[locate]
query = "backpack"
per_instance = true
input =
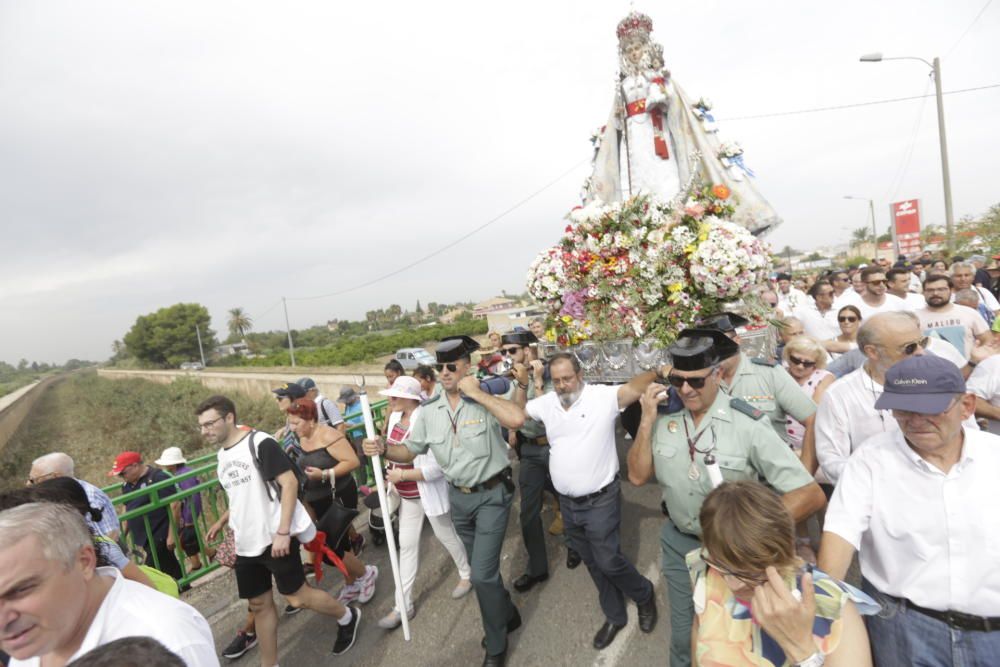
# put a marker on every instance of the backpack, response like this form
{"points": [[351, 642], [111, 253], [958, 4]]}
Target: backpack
{"points": [[272, 485]]}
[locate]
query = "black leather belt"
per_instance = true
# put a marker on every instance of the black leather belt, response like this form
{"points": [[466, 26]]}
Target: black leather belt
{"points": [[591, 496], [484, 486], [954, 619]]}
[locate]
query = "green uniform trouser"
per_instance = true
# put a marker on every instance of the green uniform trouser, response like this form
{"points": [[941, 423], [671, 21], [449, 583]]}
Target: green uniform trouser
{"points": [[481, 521], [675, 545], [532, 477]]}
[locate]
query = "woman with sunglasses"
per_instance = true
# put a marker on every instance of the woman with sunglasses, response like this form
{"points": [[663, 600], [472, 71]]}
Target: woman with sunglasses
{"points": [[849, 320], [756, 602], [805, 360]]}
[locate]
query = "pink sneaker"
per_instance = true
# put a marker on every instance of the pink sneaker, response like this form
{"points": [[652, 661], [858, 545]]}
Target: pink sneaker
{"points": [[367, 584], [350, 593]]}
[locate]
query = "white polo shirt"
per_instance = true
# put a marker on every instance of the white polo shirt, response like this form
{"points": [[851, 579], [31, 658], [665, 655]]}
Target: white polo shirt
{"points": [[583, 457], [131, 609], [985, 384], [922, 534], [821, 326]]}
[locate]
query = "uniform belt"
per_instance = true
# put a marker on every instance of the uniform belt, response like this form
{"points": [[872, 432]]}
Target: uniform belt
{"points": [[954, 619], [591, 496], [484, 486]]}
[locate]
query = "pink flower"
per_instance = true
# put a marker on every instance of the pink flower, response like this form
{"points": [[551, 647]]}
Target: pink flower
{"points": [[695, 211]]}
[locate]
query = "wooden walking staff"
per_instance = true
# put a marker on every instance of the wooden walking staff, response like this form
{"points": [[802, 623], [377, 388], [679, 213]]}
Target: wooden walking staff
{"points": [[383, 503]]}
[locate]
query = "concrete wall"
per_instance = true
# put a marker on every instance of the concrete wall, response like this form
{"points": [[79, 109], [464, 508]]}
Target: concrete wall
{"points": [[14, 407], [253, 384]]}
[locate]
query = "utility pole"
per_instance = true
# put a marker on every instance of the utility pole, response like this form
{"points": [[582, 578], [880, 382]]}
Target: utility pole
{"points": [[945, 172], [291, 346], [871, 207], [201, 350]]}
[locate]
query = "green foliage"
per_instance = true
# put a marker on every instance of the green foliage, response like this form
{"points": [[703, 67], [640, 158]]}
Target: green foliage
{"points": [[168, 336], [345, 351], [93, 419], [857, 260]]}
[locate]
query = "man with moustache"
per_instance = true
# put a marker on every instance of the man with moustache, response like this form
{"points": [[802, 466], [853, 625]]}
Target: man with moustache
{"points": [[714, 438], [580, 423], [959, 325]]}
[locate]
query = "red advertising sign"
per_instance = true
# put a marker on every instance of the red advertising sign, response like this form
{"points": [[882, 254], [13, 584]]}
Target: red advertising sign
{"points": [[905, 216]]}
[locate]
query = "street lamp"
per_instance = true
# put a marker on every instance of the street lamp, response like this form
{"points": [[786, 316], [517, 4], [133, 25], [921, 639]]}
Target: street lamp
{"points": [[945, 173], [871, 207]]}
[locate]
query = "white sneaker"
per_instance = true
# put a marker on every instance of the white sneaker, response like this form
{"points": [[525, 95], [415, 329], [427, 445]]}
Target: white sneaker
{"points": [[393, 619], [366, 584], [463, 588]]}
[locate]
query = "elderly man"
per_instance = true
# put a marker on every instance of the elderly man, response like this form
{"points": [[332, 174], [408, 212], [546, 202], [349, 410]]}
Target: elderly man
{"points": [[462, 427], [58, 464], [963, 275], [715, 437], [789, 297], [58, 604], [912, 503], [327, 409], [580, 420], [762, 383]]}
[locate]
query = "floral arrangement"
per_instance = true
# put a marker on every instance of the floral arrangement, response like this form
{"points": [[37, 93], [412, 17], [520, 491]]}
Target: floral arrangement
{"points": [[638, 269]]}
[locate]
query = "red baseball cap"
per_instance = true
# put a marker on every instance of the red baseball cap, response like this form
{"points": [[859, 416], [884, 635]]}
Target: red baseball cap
{"points": [[124, 460]]}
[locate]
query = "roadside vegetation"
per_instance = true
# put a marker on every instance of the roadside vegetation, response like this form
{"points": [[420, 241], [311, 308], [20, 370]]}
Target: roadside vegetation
{"points": [[13, 378]]}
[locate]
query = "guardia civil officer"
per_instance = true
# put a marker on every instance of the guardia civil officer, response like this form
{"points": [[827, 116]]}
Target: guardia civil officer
{"points": [[715, 437], [461, 426], [765, 385]]}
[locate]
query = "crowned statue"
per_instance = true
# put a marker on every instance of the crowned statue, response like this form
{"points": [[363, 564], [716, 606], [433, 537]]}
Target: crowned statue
{"points": [[660, 143]]}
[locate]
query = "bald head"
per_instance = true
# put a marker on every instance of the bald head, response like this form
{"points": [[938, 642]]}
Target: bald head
{"points": [[884, 338], [54, 464]]}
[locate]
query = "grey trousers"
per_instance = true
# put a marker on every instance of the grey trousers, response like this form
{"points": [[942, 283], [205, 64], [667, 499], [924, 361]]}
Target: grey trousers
{"points": [[594, 528], [532, 477], [481, 521], [675, 545]]}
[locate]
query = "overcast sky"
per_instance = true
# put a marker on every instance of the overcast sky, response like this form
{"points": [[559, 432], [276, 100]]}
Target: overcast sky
{"points": [[231, 153]]}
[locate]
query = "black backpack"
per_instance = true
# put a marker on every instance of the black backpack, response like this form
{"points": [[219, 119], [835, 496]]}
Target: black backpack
{"points": [[270, 485]]}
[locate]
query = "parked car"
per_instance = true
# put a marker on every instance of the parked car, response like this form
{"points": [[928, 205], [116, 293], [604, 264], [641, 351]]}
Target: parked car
{"points": [[411, 357], [192, 366]]}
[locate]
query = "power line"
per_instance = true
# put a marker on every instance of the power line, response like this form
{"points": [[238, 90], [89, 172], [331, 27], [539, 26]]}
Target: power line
{"points": [[449, 245], [855, 105], [974, 21]]}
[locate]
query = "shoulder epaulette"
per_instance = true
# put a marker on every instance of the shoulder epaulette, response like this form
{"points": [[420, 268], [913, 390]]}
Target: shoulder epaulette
{"points": [[740, 405], [761, 361], [431, 399]]}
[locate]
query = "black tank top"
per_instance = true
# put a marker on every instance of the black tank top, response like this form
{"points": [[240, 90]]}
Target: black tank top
{"points": [[318, 489]]}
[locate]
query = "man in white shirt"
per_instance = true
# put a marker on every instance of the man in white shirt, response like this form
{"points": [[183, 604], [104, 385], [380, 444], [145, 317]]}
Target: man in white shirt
{"points": [[873, 298], [985, 384], [962, 275], [940, 318], [580, 423], [59, 464], [915, 503], [898, 283], [789, 298], [58, 604], [819, 318]]}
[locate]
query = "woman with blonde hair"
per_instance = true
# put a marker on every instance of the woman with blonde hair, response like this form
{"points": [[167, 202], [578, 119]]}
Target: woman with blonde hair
{"points": [[805, 360], [756, 602]]}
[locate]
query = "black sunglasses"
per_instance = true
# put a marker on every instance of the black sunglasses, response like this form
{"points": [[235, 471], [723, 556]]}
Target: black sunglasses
{"points": [[875, 282], [792, 359], [509, 350], [694, 383], [452, 368], [847, 318], [910, 348]]}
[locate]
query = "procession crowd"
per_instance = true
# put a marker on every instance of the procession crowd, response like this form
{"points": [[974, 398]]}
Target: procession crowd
{"points": [[871, 433]]}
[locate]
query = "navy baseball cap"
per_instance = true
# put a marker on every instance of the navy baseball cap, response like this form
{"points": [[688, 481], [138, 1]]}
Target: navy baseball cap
{"points": [[924, 384], [290, 390], [306, 383]]}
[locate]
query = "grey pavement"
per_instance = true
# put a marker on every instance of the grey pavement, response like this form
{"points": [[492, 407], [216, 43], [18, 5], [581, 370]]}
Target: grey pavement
{"points": [[560, 616]]}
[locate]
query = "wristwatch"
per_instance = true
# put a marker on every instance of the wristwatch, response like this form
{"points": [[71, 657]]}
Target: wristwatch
{"points": [[817, 659]]}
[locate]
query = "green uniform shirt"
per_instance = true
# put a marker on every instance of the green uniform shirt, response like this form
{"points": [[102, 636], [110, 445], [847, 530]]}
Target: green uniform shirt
{"points": [[466, 442], [770, 389], [745, 448]]}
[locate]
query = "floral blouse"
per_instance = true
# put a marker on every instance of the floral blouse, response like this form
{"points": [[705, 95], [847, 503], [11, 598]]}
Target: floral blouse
{"points": [[728, 636]]}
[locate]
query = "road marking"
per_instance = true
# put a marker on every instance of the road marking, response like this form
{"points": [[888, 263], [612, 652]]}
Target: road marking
{"points": [[612, 655]]}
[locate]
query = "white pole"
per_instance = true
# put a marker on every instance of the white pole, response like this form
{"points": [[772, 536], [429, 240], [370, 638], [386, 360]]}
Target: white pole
{"points": [[383, 502]]}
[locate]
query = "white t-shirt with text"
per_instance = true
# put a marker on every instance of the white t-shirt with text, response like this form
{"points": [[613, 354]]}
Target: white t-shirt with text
{"points": [[959, 325]]}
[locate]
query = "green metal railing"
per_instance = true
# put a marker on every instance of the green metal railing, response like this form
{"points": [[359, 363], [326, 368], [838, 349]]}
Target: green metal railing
{"points": [[213, 504]]}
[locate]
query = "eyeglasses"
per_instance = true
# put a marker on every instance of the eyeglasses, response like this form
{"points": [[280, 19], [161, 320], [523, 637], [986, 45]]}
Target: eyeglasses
{"points": [[210, 424], [757, 579], [694, 383], [452, 368], [121, 473], [875, 282], [792, 359], [909, 348], [847, 318], [840, 279], [509, 350]]}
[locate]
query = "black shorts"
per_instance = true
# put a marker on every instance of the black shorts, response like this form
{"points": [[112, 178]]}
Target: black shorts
{"points": [[253, 573], [189, 541]]}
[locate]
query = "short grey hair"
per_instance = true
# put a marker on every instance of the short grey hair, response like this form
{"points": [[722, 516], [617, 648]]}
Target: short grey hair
{"points": [[962, 265], [59, 528], [967, 294], [56, 462]]}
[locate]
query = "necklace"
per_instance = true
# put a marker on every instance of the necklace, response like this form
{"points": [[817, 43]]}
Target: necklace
{"points": [[875, 397], [693, 473]]}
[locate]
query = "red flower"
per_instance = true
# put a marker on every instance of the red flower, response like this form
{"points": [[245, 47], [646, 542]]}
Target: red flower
{"points": [[569, 229]]}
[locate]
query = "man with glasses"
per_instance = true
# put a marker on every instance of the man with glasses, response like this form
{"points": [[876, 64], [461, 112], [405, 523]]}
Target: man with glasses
{"points": [[462, 427], [874, 298], [714, 438], [58, 464], [137, 475], [841, 281], [914, 503], [959, 325]]}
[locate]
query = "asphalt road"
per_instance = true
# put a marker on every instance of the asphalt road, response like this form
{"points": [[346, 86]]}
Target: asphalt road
{"points": [[560, 616]]}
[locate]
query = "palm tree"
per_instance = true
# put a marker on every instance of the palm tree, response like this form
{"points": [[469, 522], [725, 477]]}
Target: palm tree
{"points": [[861, 234], [239, 323]]}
